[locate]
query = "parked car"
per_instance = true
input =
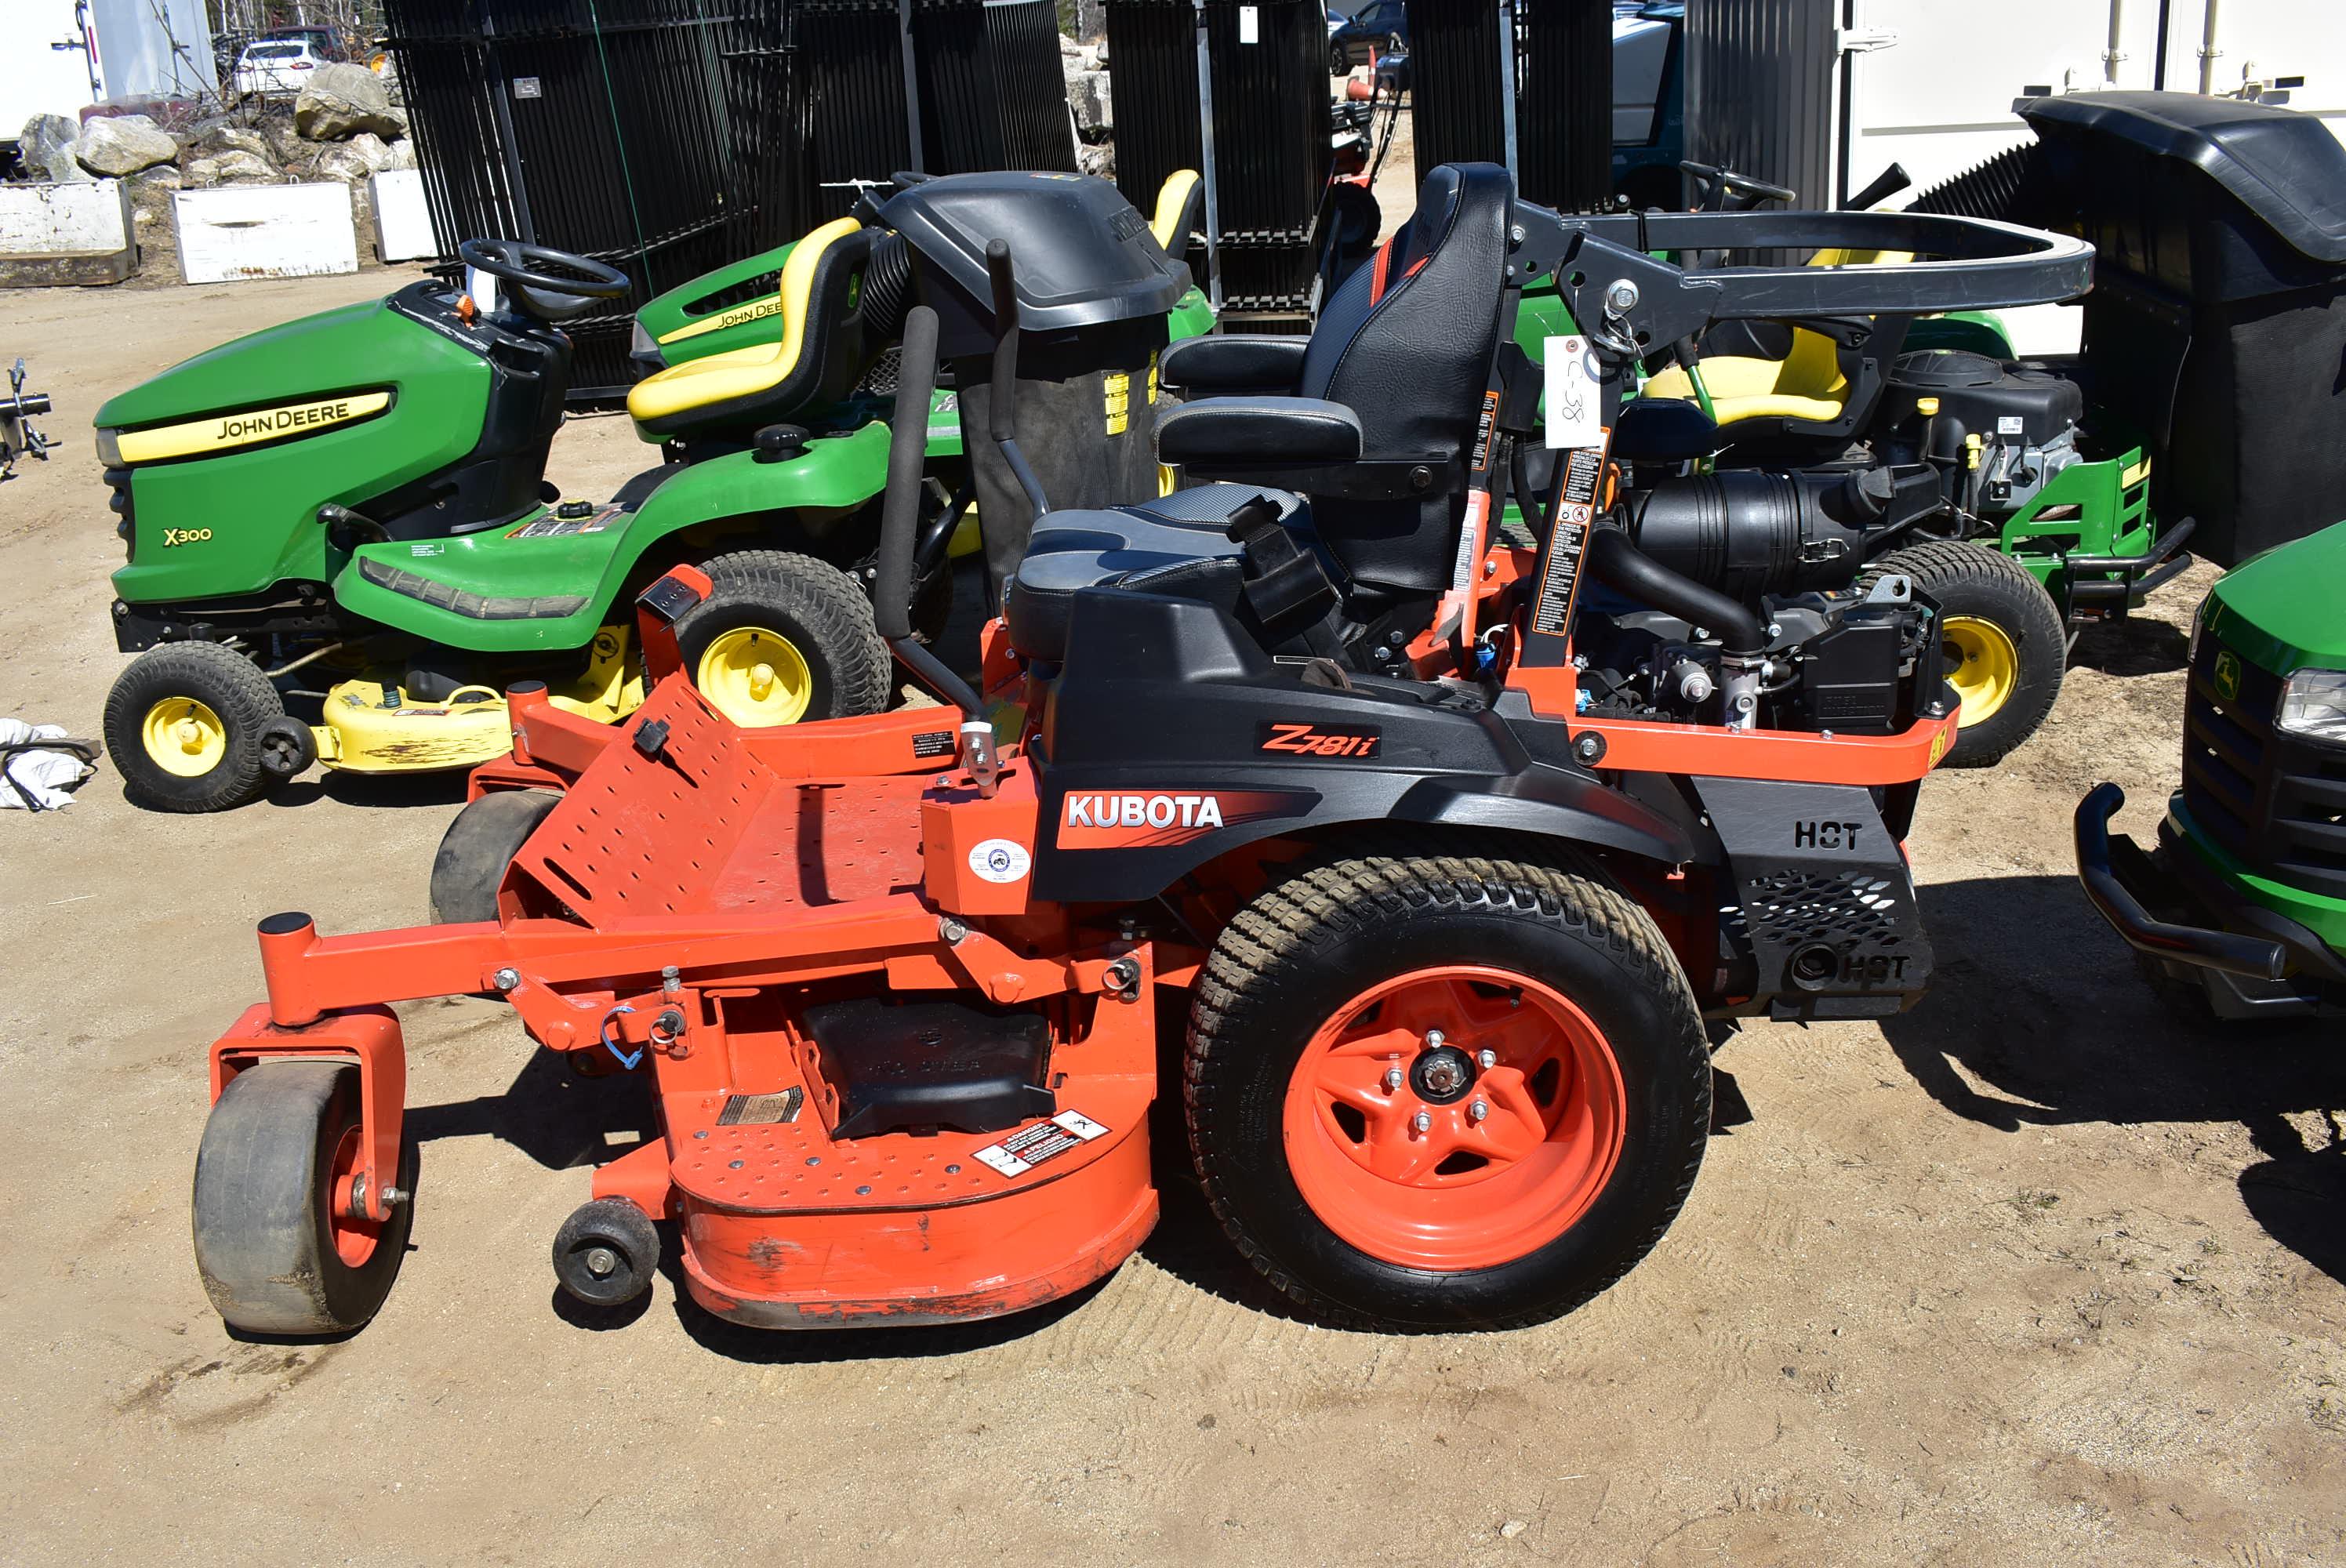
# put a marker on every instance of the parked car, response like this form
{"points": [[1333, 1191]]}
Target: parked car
{"points": [[1381, 27], [276, 66]]}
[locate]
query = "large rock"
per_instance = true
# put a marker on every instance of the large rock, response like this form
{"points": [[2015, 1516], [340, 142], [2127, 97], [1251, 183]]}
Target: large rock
{"points": [[344, 163], [373, 149], [217, 138], [1088, 92], [403, 155], [46, 146], [123, 144], [1097, 160], [340, 101], [231, 167]]}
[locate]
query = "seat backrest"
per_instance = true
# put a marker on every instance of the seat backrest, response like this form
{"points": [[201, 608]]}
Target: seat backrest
{"points": [[1407, 343], [823, 350], [820, 352]]}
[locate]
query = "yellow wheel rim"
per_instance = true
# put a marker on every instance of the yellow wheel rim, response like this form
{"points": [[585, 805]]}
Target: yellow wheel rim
{"points": [[183, 736], [755, 677], [1983, 667]]}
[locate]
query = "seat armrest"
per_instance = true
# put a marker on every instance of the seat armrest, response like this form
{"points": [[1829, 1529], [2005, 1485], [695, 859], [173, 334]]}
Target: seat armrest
{"points": [[1259, 432], [1218, 366]]}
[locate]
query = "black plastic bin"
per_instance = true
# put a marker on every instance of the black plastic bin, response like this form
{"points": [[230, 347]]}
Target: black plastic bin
{"points": [[2217, 324]]}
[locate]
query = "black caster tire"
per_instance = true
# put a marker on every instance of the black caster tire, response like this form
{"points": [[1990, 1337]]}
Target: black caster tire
{"points": [[1383, 1181], [288, 746], [606, 1252], [2006, 647], [275, 1255], [478, 848], [784, 638], [194, 726]]}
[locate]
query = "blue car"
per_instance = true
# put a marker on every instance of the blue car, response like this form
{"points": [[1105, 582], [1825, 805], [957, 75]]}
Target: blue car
{"points": [[1380, 26]]}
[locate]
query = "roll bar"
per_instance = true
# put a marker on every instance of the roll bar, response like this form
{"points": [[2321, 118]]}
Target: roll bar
{"points": [[1980, 265]]}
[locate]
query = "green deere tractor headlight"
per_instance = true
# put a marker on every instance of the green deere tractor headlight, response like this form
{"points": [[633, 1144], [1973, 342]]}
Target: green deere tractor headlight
{"points": [[109, 448], [2313, 704]]}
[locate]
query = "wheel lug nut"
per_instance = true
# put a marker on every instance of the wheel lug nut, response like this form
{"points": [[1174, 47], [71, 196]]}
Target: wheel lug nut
{"points": [[1486, 1058], [1435, 1039], [1393, 1079], [1478, 1110], [1422, 1121]]}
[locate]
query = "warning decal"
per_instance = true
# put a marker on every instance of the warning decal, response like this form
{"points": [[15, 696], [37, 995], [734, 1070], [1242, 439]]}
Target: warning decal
{"points": [[1025, 1149]]}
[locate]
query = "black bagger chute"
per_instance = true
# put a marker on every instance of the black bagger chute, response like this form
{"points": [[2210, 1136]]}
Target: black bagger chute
{"points": [[2216, 326]]}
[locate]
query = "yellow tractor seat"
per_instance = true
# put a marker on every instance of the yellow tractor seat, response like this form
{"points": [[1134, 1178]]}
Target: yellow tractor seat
{"points": [[816, 362], [1821, 391], [1180, 211], [1807, 384]]}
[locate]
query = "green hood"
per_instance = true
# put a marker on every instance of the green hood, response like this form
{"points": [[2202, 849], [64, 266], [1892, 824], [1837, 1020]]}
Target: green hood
{"points": [[2286, 608]]}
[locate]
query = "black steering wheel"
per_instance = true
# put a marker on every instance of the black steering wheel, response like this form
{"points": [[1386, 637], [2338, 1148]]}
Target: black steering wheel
{"points": [[511, 261], [1719, 183]]}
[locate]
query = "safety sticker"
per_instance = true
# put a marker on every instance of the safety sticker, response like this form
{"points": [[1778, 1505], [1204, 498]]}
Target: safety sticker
{"points": [[1000, 861], [1025, 1149], [552, 527], [933, 743], [761, 1110]]}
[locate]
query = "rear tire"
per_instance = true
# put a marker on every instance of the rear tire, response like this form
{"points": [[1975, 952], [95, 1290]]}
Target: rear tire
{"points": [[478, 848], [1575, 1189], [2005, 645], [194, 726], [273, 1256], [784, 638]]}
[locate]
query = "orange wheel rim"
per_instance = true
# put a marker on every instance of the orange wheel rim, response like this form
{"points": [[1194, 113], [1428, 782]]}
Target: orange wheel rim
{"points": [[1412, 1170], [353, 1239]]}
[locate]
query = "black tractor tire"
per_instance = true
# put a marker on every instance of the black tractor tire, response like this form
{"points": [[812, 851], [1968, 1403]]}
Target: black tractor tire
{"points": [[247, 709], [1974, 583], [264, 1235], [819, 610], [478, 848], [1289, 962]]}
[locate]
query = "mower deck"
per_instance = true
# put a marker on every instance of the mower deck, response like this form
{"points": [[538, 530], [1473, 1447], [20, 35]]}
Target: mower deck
{"points": [[684, 825]]}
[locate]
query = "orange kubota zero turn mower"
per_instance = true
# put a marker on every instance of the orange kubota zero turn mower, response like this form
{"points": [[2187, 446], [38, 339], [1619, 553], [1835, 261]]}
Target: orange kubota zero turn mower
{"points": [[1431, 863]]}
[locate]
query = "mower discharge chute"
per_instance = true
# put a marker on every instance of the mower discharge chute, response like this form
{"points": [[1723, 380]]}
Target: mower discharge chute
{"points": [[351, 510], [1302, 764]]}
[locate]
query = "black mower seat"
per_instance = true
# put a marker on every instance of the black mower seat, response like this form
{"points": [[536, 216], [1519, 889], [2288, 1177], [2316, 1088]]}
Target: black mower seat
{"points": [[1179, 543]]}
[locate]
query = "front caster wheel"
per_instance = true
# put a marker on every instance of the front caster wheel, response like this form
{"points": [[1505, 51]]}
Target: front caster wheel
{"points": [[606, 1252], [1444, 1091], [277, 1252], [196, 727]]}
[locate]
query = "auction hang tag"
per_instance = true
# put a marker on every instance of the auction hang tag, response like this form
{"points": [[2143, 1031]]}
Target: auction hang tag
{"points": [[1572, 394], [1250, 24]]}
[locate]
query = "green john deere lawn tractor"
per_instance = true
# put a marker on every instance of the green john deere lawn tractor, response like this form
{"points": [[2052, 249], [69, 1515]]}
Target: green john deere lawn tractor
{"points": [[2244, 899], [349, 511]]}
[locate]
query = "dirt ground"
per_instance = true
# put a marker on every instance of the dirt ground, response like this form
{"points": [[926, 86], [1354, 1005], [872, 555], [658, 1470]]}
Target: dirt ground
{"points": [[2035, 1273]]}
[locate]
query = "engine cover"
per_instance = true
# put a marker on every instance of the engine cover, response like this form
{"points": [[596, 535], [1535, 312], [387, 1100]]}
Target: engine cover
{"points": [[1986, 397]]}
